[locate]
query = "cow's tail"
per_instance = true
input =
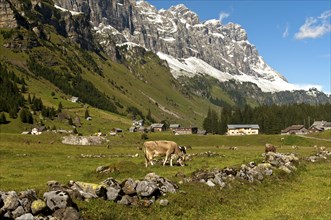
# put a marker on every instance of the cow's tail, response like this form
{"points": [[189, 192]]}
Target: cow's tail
{"points": [[145, 155]]}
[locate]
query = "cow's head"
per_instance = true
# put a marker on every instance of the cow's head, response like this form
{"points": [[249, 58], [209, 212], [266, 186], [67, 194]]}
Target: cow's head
{"points": [[181, 158], [182, 149]]}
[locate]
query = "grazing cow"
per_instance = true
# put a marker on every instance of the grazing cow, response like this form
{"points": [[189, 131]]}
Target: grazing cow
{"points": [[270, 148], [163, 148]]}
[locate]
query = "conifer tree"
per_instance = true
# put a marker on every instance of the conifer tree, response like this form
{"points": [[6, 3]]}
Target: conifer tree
{"points": [[3, 119], [225, 118], [23, 116], [87, 114], [207, 122], [59, 109], [29, 99]]}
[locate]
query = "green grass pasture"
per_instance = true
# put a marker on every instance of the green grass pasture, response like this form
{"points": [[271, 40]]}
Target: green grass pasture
{"points": [[28, 161]]}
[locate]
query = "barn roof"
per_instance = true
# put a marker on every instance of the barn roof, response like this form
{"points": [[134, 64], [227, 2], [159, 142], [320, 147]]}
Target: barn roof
{"points": [[238, 126], [157, 125], [293, 128]]}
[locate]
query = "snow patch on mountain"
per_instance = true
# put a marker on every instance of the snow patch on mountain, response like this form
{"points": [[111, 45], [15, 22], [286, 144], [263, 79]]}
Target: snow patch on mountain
{"points": [[193, 66], [66, 10]]}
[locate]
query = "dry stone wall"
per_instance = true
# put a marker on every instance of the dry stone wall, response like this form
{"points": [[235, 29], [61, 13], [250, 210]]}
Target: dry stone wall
{"points": [[57, 202]]}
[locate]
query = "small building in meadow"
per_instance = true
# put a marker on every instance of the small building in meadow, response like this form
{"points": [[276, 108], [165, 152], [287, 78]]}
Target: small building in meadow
{"points": [[157, 127], [295, 129], [138, 123], [174, 126], [185, 130], [74, 99], [320, 126], [243, 129]]}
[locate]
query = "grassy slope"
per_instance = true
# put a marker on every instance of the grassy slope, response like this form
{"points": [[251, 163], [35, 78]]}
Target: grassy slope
{"points": [[127, 88], [30, 161]]}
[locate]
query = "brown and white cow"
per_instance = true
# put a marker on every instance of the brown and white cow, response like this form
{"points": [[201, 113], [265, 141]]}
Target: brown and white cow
{"points": [[163, 148]]}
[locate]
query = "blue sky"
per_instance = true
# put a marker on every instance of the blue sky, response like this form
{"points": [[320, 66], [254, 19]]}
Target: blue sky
{"points": [[293, 37]]}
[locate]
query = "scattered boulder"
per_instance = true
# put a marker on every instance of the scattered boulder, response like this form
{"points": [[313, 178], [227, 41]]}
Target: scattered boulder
{"points": [[57, 200], [126, 200], [323, 154], [129, 186], [83, 140], [88, 190], [163, 202], [18, 212], [147, 188], [38, 206], [67, 213], [10, 200], [27, 216], [26, 206]]}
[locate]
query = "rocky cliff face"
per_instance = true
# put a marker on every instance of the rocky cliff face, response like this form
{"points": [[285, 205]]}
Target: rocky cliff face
{"points": [[190, 47], [7, 15], [33, 15], [177, 32]]}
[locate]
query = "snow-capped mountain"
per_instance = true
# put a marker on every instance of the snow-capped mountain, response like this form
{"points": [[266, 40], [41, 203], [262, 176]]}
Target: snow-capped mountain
{"points": [[177, 35]]}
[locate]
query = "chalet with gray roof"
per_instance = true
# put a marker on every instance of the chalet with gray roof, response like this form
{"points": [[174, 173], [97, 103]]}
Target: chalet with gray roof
{"points": [[187, 130], [138, 123], [157, 127], [295, 129], [243, 129], [174, 126], [320, 126]]}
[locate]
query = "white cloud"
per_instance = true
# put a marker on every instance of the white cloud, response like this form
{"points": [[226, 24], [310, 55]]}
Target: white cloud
{"points": [[223, 15], [286, 32], [315, 27]]}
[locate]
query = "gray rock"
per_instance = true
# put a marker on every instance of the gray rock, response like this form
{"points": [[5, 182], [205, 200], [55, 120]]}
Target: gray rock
{"points": [[111, 182], [146, 188], [112, 193], [27, 216], [88, 190], [38, 206], [125, 200], [18, 212], [57, 200], [129, 186], [163, 202], [166, 186], [152, 177], [67, 213], [11, 200], [268, 172], [83, 140], [285, 169], [210, 183], [26, 199], [101, 169]]}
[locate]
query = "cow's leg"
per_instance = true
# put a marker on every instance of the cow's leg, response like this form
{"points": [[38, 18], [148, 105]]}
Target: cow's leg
{"points": [[170, 161], [165, 160], [148, 159]]}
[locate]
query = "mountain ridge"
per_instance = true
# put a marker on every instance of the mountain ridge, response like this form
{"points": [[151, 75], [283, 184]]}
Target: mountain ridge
{"points": [[178, 33], [67, 46]]}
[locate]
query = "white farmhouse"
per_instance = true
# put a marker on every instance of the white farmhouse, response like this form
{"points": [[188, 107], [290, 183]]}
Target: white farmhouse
{"points": [[243, 129]]}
